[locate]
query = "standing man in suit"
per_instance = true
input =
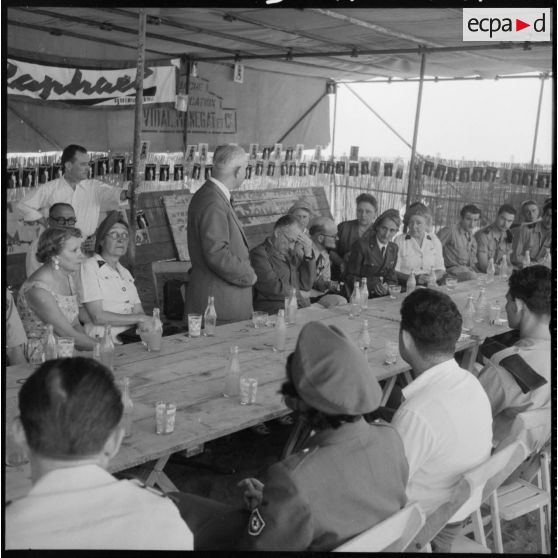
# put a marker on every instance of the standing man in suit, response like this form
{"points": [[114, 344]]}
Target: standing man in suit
{"points": [[217, 244]]}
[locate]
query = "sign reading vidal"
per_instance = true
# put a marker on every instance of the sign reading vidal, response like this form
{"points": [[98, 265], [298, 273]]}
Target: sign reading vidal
{"points": [[90, 87]]}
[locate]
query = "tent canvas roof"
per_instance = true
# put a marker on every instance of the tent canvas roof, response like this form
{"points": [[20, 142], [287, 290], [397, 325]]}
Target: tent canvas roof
{"points": [[339, 44]]}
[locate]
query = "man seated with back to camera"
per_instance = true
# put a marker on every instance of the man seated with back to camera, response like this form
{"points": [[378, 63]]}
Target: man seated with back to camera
{"points": [[516, 375], [348, 476], [445, 420], [69, 422], [280, 267]]}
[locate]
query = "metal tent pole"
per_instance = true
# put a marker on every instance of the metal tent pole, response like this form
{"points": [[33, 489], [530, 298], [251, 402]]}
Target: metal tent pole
{"points": [[410, 191], [137, 134], [543, 79]]}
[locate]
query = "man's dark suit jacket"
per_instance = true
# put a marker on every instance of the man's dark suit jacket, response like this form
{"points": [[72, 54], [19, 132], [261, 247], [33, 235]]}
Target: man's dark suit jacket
{"points": [[219, 255]]}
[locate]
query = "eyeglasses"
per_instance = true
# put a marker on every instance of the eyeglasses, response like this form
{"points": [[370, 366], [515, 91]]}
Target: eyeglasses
{"points": [[62, 221], [118, 236], [334, 236]]}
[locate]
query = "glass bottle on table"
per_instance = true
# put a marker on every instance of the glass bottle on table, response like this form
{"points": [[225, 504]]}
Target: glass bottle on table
{"points": [[156, 323], [490, 271], [128, 412], [292, 307], [280, 332], [468, 314], [210, 317], [50, 348], [431, 281], [107, 348], [527, 258], [97, 350], [481, 307], [411, 282], [232, 378], [363, 294], [363, 340], [354, 309], [503, 271]]}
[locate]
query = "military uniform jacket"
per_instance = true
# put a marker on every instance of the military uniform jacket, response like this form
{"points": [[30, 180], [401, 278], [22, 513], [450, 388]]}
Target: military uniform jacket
{"points": [[532, 237], [495, 243], [343, 482], [366, 260], [219, 254]]}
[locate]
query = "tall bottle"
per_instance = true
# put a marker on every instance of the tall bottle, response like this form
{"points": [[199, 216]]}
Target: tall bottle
{"points": [[547, 260], [468, 314], [432, 279], [210, 317], [527, 259], [411, 282], [291, 307], [355, 301], [156, 323], [107, 348], [50, 348], [490, 270], [363, 340], [97, 350], [503, 269], [128, 415], [280, 331], [232, 378], [363, 294], [481, 307]]}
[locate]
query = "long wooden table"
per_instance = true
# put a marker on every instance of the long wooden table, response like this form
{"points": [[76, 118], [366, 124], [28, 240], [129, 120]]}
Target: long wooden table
{"points": [[191, 373]]}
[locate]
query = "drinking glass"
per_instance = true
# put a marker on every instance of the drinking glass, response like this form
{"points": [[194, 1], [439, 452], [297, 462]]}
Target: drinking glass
{"points": [[394, 290], [392, 352], [194, 325], [248, 388], [152, 339], [35, 352], [259, 319], [15, 455], [65, 347], [451, 282], [494, 314]]}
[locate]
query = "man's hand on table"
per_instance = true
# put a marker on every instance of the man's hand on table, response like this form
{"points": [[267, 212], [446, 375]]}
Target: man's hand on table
{"points": [[252, 492]]}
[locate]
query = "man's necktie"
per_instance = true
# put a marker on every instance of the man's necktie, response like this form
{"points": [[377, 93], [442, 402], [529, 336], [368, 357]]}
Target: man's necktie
{"points": [[383, 251], [320, 265], [232, 202]]}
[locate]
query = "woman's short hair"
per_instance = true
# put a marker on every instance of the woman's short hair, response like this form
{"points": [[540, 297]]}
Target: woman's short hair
{"points": [[52, 240], [368, 198], [417, 208]]}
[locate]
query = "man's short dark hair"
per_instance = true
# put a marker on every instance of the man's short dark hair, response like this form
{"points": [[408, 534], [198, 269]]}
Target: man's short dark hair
{"points": [[69, 153], [469, 208], [57, 205], [507, 208], [532, 285], [433, 321], [285, 221], [547, 206], [69, 407], [368, 198]]}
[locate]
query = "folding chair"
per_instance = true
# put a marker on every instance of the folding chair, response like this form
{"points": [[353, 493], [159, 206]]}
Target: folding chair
{"points": [[519, 495], [473, 488], [390, 535]]}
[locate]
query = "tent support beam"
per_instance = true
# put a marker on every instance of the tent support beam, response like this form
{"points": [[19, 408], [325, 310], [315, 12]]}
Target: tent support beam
{"points": [[137, 135], [543, 79], [312, 107], [378, 116], [35, 129], [411, 189]]}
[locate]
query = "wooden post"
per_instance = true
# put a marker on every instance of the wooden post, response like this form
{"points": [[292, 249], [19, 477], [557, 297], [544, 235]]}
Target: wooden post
{"points": [[137, 136], [410, 191], [543, 78]]}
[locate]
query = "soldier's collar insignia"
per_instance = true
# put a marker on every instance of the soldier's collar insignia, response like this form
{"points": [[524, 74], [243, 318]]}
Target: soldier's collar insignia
{"points": [[256, 523]]}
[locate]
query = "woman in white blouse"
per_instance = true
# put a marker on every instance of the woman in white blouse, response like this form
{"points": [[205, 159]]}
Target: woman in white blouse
{"points": [[106, 288], [419, 249]]}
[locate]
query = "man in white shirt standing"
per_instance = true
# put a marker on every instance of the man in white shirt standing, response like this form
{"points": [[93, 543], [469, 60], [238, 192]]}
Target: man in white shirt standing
{"points": [[445, 421], [88, 197], [70, 424]]}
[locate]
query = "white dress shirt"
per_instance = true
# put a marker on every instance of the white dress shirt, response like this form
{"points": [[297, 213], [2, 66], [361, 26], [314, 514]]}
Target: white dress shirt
{"points": [[85, 507], [89, 198], [445, 423], [420, 259]]}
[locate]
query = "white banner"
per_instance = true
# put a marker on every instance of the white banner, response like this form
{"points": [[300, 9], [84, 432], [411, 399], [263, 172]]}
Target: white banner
{"points": [[90, 87]]}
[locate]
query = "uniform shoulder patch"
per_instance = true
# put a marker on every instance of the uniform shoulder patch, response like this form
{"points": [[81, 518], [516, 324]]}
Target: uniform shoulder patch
{"points": [[256, 523]]}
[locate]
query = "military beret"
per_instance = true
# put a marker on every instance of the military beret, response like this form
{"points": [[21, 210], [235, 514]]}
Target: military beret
{"points": [[110, 220], [301, 204], [331, 374]]}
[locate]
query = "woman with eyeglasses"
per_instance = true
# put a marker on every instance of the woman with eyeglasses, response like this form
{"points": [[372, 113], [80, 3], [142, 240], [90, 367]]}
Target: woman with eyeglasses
{"points": [[59, 215], [49, 295], [106, 288]]}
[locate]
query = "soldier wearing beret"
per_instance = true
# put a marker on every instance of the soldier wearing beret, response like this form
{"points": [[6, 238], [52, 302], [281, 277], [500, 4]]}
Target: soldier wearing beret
{"points": [[348, 476], [516, 375]]}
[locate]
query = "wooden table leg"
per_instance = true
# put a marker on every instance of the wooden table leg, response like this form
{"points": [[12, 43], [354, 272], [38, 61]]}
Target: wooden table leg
{"points": [[387, 390], [158, 477]]}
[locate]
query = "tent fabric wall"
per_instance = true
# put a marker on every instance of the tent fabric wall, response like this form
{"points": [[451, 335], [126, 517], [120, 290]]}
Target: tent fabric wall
{"points": [[264, 107]]}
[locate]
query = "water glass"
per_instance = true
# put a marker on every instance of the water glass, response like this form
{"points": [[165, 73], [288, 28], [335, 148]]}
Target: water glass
{"points": [[259, 319], [65, 347], [15, 455], [35, 351], [394, 290], [152, 339], [451, 283], [248, 389], [494, 314], [194, 325], [165, 417], [392, 352]]}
